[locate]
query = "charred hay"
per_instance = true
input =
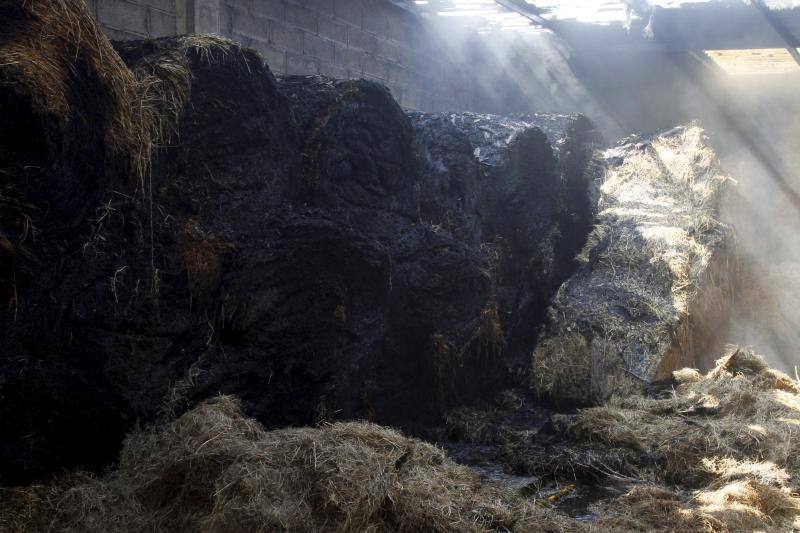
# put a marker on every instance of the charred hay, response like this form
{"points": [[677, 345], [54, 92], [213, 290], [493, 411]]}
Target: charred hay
{"points": [[656, 277], [521, 187], [227, 232]]}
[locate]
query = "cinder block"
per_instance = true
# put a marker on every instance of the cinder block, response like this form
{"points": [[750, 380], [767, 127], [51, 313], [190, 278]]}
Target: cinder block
{"points": [[376, 67], [245, 40], [298, 64], [377, 19], [163, 5], [362, 40], [226, 19], [350, 11], [162, 23], [371, 77], [405, 53], [301, 17], [131, 18], [351, 59], [274, 57], [324, 7], [334, 71], [400, 75], [116, 34], [242, 5], [332, 29], [206, 16], [318, 47], [273, 9], [250, 24], [401, 30], [391, 50], [285, 37]]}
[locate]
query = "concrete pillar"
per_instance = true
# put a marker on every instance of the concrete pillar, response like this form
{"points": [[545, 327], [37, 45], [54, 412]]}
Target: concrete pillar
{"points": [[202, 16], [181, 11]]}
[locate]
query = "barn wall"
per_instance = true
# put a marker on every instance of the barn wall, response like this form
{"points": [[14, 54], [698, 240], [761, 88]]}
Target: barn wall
{"points": [[138, 19], [346, 39]]}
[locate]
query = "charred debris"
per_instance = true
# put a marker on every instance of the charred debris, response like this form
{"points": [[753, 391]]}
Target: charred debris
{"points": [[196, 254]]}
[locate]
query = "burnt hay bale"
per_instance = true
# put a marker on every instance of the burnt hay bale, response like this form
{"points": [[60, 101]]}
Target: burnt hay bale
{"points": [[227, 232], [522, 194], [234, 132], [69, 132], [129, 276], [357, 151], [656, 277]]}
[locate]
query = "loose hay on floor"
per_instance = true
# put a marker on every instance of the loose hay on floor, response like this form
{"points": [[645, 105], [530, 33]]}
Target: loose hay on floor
{"points": [[215, 470], [720, 454]]}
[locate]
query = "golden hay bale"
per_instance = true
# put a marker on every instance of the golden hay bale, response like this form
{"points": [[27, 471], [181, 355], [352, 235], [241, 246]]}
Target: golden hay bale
{"points": [[215, 470], [651, 291]]}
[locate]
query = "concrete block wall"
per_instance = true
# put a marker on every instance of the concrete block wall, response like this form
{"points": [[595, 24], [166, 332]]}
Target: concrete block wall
{"points": [[345, 39], [138, 19], [349, 39]]}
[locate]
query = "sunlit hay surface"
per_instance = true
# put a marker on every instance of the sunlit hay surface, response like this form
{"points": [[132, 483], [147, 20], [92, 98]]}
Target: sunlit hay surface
{"points": [[215, 470], [726, 443], [612, 324]]}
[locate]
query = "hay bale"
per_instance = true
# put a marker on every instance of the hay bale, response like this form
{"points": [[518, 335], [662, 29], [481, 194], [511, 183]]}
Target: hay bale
{"points": [[356, 149], [214, 469], [450, 175], [273, 250], [71, 129], [522, 193], [127, 266], [233, 130], [52, 52], [650, 296]]}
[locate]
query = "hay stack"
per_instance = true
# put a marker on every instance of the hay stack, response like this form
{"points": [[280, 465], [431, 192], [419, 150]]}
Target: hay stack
{"points": [[654, 284], [71, 129], [215, 470]]}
